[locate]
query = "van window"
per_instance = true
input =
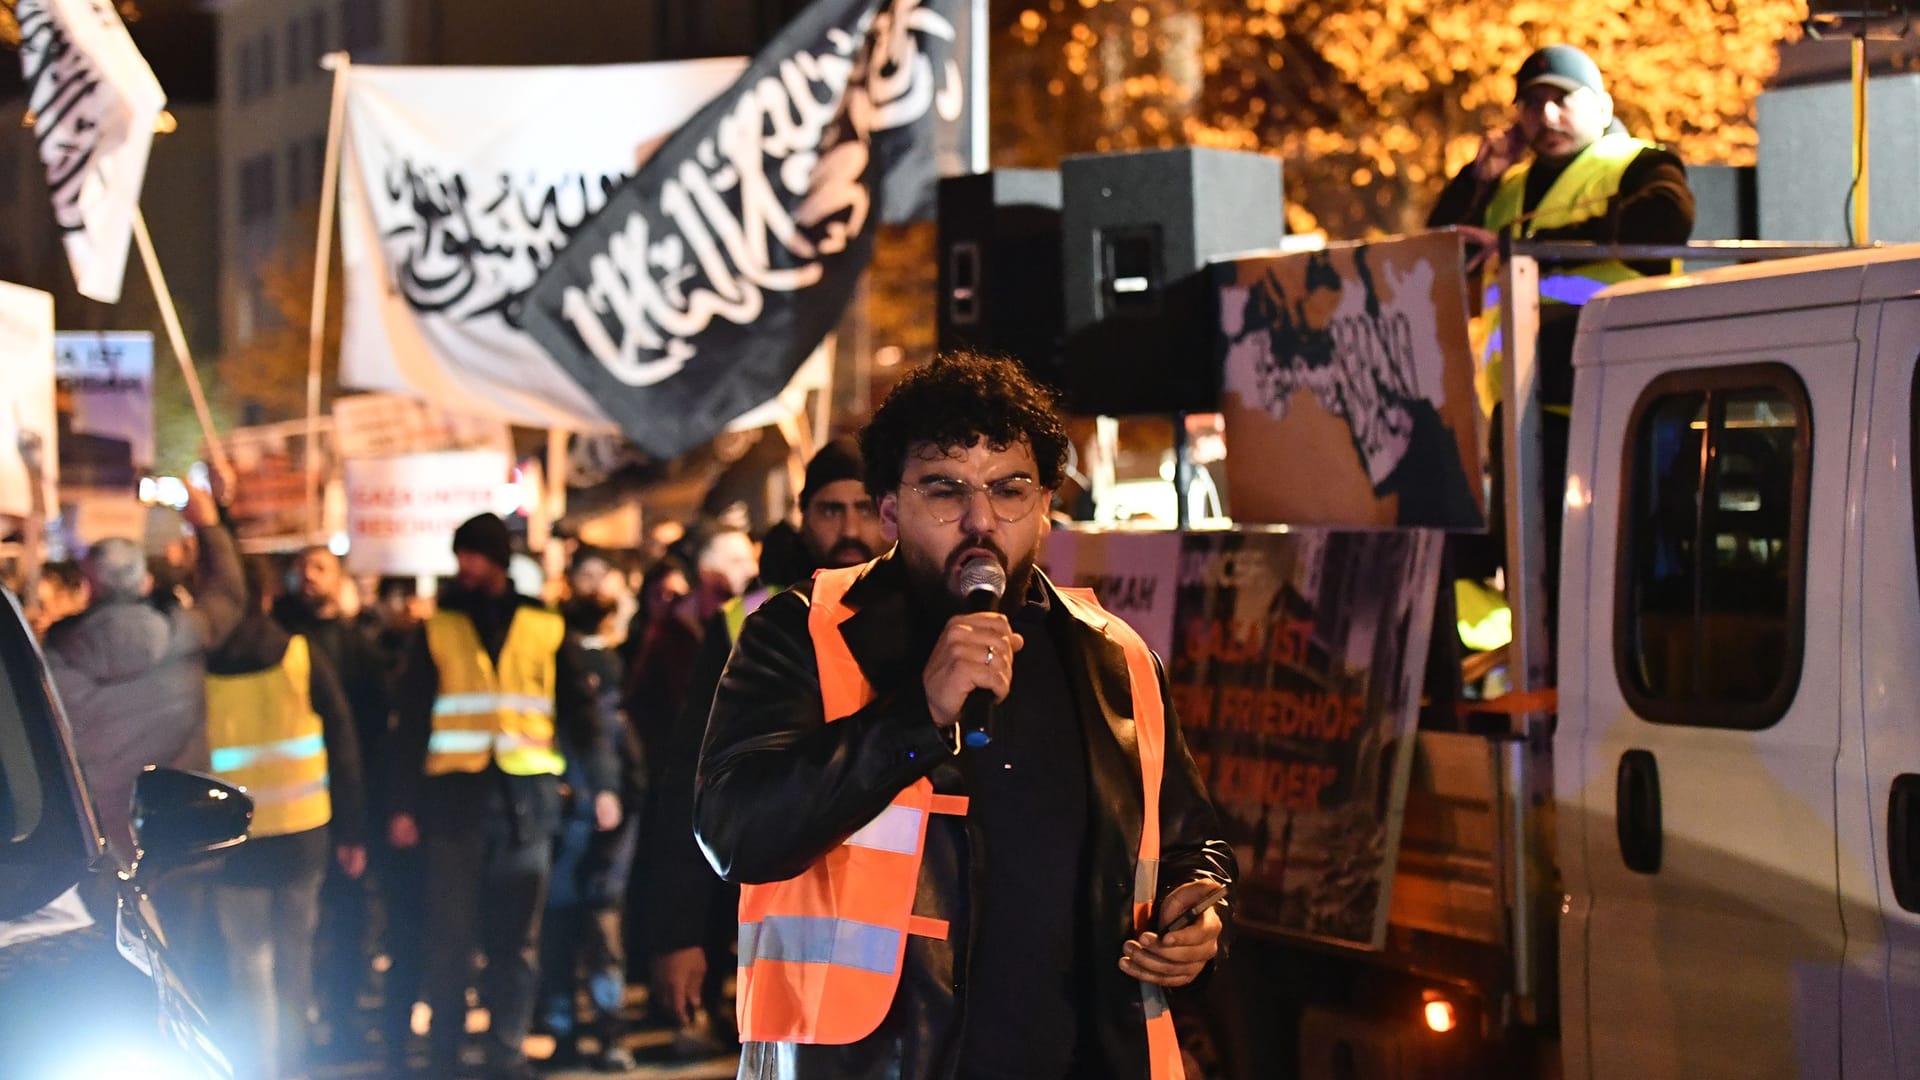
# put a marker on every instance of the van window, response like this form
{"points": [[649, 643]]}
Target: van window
{"points": [[1713, 547]]}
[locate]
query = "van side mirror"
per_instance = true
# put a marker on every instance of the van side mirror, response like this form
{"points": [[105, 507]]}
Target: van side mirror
{"points": [[178, 815]]}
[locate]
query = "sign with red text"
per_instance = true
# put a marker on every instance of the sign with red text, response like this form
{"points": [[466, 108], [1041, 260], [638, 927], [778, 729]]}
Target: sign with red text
{"points": [[402, 511], [1294, 662]]}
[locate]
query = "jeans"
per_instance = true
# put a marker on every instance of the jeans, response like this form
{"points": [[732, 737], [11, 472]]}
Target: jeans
{"points": [[269, 931], [582, 931], [485, 888]]}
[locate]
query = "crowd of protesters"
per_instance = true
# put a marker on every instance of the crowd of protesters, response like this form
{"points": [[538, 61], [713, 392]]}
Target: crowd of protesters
{"points": [[390, 851]]}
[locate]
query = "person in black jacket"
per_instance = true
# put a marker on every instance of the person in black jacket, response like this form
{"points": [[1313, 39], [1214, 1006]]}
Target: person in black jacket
{"points": [[688, 913], [266, 893], [476, 772], [1021, 953], [312, 609]]}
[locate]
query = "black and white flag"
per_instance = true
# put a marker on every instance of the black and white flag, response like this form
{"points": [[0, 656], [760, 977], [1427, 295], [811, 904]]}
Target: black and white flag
{"points": [[699, 288], [94, 101]]}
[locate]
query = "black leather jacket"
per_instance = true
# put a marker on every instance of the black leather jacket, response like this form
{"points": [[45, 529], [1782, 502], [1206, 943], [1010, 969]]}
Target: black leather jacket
{"points": [[779, 787]]}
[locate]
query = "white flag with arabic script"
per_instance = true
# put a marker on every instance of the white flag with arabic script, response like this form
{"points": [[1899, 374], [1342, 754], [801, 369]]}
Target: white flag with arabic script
{"points": [[459, 186], [94, 101]]}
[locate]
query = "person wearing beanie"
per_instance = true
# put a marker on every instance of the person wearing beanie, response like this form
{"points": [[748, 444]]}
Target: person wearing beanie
{"points": [[493, 698], [689, 913]]}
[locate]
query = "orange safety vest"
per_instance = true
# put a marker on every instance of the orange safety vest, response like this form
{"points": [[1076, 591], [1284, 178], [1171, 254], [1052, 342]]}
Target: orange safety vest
{"points": [[821, 952]]}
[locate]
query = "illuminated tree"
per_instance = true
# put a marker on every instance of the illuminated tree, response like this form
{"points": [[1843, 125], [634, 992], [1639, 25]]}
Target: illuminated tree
{"points": [[1372, 103]]}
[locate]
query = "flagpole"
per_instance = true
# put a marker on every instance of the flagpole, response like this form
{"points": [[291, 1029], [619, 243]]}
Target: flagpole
{"points": [[339, 63], [216, 453], [977, 151]]}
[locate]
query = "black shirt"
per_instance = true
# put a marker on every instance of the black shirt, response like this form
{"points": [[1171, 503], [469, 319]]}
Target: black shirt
{"points": [[1027, 978]]}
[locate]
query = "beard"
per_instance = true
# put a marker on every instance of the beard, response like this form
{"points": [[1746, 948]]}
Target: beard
{"points": [[934, 582]]}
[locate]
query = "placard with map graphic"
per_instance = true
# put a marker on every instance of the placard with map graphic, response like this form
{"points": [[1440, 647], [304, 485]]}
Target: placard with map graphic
{"points": [[1348, 391]]}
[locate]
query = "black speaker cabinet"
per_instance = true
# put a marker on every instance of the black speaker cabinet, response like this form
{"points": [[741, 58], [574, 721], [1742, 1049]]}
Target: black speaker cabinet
{"points": [[1000, 265], [1137, 231], [1726, 204]]}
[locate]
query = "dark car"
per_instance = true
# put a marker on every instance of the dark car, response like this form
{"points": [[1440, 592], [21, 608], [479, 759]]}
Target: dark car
{"points": [[88, 988]]}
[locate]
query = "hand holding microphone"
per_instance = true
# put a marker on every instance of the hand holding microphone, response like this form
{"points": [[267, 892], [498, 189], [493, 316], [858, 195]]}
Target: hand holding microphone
{"points": [[972, 663]]}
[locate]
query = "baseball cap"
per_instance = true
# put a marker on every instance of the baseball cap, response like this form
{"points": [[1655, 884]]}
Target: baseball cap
{"points": [[1559, 65]]}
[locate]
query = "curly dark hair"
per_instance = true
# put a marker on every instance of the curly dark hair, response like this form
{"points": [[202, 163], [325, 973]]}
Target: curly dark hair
{"points": [[953, 403]]}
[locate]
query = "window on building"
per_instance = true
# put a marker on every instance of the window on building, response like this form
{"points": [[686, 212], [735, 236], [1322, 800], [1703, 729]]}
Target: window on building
{"points": [[1710, 588], [296, 174], [360, 29], [264, 50], [298, 58], [257, 189], [247, 86]]}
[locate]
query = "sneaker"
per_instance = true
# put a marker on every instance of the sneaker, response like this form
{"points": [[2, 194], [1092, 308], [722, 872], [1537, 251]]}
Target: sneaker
{"points": [[614, 1059]]}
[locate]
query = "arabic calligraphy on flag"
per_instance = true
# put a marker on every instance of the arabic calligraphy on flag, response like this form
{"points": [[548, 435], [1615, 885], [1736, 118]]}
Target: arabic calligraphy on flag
{"points": [[708, 277]]}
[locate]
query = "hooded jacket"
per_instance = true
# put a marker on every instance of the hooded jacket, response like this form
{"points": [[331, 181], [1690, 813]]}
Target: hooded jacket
{"points": [[779, 786], [132, 680]]}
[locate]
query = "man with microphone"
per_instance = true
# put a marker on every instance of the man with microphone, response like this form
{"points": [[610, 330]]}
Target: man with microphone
{"points": [[960, 824]]}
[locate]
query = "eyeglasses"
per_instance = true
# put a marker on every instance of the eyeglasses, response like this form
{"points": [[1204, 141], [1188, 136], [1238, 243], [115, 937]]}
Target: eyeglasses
{"points": [[949, 500]]}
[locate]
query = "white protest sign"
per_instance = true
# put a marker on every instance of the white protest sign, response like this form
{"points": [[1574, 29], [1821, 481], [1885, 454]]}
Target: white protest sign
{"points": [[402, 511], [108, 378], [26, 400]]}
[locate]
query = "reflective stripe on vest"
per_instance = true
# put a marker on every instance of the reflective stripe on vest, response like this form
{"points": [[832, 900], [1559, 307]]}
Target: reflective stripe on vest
{"points": [[1583, 191], [500, 712], [821, 953], [264, 737]]}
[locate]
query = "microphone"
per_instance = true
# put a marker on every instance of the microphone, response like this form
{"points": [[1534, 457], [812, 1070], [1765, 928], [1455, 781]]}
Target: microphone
{"points": [[982, 583]]}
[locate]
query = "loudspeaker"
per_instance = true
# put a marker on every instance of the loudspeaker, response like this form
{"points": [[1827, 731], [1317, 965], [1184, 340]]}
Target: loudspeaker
{"points": [[999, 274], [1137, 231], [1726, 205], [1806, 160]]}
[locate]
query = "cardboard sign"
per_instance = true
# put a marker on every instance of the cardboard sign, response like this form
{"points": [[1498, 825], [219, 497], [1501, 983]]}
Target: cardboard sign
{"points": [[1348, 391], [1294, 663], [106, 393], [27, 428], [269, 500], [402, 511], [389, 425]]}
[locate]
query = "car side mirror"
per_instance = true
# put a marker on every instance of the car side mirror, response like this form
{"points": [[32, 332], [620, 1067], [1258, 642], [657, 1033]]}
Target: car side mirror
{"points": [[178, 815]]}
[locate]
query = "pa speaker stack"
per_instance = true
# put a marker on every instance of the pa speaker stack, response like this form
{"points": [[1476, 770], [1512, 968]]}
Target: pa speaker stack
{"points": [[1120, 318]]}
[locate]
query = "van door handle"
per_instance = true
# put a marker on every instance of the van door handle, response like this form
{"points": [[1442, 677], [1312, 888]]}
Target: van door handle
{"points": [[1903, 840], [1637, 811]]}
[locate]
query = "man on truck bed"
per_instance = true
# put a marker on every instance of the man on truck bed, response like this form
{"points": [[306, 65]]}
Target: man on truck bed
{"points": [[1585, 181]]}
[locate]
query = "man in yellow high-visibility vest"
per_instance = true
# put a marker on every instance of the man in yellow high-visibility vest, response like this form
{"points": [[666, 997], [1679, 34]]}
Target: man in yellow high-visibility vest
{"points": [[492, 695], [1564, 171]]}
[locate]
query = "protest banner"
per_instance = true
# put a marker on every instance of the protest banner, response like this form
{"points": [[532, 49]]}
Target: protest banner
{"points": [[708, 277], [389, 425], [105, 384], [1348, 387], [270, 492], [402, 511], [458, 187], [27, 423], [1294, 664]]}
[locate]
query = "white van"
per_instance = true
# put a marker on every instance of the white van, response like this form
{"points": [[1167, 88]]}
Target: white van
{"points": [[1737, 759]]}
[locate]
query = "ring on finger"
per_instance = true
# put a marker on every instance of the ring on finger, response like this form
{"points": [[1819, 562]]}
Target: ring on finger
{"points": [[989, 654]]}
